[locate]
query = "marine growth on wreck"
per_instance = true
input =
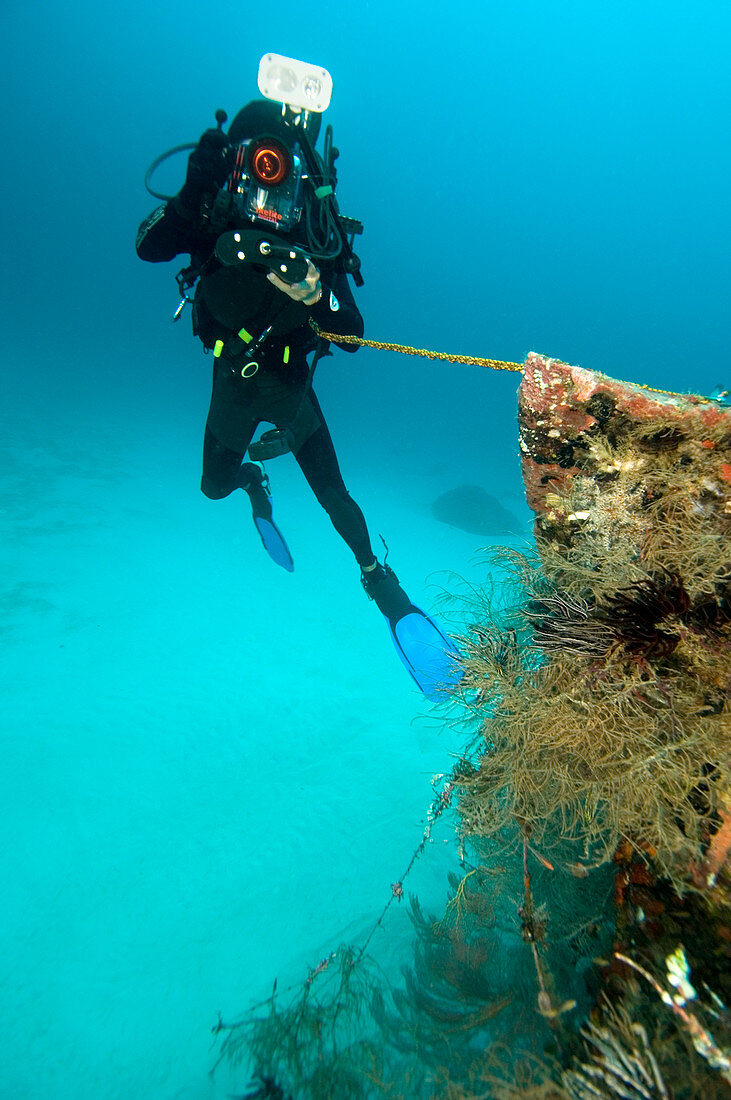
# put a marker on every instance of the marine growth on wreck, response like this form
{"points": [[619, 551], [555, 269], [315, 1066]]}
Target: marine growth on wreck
{"points": [[602, 692], [608, 696]]}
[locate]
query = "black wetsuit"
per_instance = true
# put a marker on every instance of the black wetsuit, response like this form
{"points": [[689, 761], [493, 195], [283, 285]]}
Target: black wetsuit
{"points": [[229, 300]]}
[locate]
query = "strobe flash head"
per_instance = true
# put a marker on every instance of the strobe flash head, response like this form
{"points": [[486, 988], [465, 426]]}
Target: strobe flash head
{"points": [[270, 163], [301, 86]]}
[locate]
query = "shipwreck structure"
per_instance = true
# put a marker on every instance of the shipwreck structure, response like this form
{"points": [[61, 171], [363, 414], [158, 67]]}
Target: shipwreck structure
{"points": [[631, 489], [606, 694]]}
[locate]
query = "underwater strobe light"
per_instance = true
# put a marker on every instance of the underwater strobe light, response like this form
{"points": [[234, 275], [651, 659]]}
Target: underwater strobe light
{"points": [[301, 86]]}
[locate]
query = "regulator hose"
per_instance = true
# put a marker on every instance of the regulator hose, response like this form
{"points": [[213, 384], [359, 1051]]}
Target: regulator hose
{"points": [[156, 164]]}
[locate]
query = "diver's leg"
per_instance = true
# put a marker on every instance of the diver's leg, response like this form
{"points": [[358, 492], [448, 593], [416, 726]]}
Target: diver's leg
{"points": [[425, 650], [319, 464], [254, 481], [221, 468], [223, 472], [382, 585]]}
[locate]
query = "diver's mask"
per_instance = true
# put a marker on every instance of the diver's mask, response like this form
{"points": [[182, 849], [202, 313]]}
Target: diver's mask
{"points": [[266, 183]]}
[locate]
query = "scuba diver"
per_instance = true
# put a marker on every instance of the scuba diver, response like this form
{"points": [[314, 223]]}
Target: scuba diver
{"points": [[270, 254]]}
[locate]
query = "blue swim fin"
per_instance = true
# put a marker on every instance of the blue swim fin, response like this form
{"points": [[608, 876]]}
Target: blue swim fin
{"points": [[274, 542], [254, 481], [427, 653]]}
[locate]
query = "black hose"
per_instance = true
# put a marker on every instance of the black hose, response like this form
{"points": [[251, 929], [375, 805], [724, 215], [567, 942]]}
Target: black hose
{"points": [[156, 164]]}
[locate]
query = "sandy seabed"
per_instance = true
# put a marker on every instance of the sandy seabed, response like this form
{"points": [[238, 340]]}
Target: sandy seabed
{"points": [[212, 770]]}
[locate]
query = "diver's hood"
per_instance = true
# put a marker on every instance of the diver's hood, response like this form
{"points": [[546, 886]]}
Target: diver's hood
{"points": [[264, 116]]}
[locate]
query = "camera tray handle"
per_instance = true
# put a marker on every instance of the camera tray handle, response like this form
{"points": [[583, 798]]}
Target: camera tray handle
{"points": [[249, 246]]}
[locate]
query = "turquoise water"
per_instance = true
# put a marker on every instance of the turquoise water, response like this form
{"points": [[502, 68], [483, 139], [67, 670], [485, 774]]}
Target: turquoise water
{"points": [[213, 771]]}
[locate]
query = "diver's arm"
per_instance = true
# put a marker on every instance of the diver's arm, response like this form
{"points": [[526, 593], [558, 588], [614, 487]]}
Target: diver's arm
{"points": [[336, 310], [176, 226], [165, 233], [329, 300]]}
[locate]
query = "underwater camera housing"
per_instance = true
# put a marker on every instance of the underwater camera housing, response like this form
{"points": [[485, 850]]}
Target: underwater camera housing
{"points": [[267, 180], [266, 183]]}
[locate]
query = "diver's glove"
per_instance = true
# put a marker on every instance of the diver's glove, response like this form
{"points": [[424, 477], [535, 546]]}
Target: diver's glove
{"points": [[209, 165], [309, 291]]}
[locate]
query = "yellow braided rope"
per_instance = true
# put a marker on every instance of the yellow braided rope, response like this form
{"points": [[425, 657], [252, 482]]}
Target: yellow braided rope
{"points": [[425, 353], [470, 360]]}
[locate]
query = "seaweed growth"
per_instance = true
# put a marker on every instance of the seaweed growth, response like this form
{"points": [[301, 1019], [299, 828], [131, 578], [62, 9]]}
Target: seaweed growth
{"points": [[603, 693], [470, 989], [617, 1063], [321, 1044], [611, 717]]}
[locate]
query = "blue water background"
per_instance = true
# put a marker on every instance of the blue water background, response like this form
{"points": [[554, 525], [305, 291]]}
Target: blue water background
{"points": [[211, 771]]}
